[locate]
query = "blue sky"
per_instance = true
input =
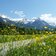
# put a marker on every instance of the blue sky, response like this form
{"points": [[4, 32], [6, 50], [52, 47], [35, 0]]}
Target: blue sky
{"points": [[27, 8]]}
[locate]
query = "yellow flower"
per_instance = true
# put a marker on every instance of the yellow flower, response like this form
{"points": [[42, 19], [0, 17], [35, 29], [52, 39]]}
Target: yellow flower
{"points": [[54, 41], [37, 38], [50, 32], [44, 36], [46, 31]]}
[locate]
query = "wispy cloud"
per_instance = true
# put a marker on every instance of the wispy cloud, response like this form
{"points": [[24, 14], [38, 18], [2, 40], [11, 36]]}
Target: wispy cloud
{"points": [[19, 13], [49, 18]]}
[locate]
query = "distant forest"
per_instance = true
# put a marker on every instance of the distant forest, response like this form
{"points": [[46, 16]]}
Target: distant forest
{"points": [[12, 29]]}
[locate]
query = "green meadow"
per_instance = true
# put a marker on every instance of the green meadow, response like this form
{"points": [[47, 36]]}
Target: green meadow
{"points": [[28, 45]]}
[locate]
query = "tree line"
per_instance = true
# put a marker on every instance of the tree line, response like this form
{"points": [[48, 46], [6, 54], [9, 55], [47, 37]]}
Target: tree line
{"points": [[12, 29]]}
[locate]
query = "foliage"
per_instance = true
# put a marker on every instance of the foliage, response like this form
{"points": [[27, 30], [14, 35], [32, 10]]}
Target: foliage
{"points": [[44, 46], [13, 30]]}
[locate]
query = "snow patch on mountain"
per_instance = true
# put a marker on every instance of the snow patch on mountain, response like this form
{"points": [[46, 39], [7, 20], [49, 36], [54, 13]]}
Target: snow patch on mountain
{"points": [[24, 20], [49, 18], [3, 16]]}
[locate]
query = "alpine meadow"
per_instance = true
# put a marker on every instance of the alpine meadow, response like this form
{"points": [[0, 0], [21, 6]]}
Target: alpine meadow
{"points": [[27, 28]]}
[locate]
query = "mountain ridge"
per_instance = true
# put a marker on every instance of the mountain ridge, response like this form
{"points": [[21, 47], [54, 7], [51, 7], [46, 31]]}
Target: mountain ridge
{"points": [[34, 23]]}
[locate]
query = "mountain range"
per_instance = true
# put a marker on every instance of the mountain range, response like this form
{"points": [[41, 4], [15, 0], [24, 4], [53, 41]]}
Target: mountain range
{"points": [[34, 23]]}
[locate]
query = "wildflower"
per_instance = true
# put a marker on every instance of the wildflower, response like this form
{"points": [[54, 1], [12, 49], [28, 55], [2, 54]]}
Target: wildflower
{"points": [[44, 43], [37, 38], [46, 31], [44, 36], [54, 41], [50, 32]]}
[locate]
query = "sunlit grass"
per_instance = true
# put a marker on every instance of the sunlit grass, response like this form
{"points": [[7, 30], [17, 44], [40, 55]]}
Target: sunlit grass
{"points": [[41, 47]]}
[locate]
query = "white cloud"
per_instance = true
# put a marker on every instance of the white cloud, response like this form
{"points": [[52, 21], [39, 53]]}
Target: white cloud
{"points": [[48, 18], [4, 16], [21, 14]]}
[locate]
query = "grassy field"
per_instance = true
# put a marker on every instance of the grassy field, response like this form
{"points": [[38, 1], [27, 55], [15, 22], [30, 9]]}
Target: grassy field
{"points": [[28, 45], [9, 38]]}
